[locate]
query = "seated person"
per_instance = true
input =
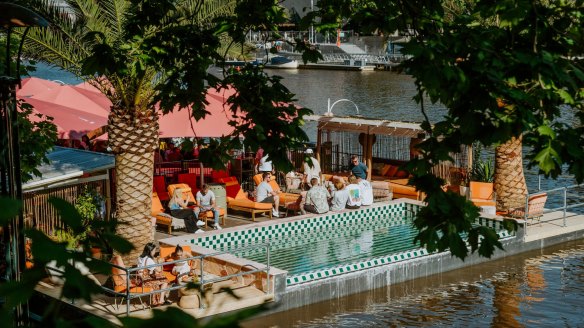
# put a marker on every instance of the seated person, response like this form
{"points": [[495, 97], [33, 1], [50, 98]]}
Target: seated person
{"points": [[206, 202], [179, 208], [317, 198], [354, 191], [180, 269], [357, 168], [265, 193], [366, 191], [146, 259], [340, 196]]}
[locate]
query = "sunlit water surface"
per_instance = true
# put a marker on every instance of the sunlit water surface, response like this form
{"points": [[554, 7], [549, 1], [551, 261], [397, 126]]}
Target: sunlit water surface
{"points": [[535, 289]]}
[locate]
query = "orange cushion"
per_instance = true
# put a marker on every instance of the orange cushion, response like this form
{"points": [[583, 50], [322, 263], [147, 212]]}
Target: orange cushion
{"points": [[183, 186], [249, 204], [401, 174], [384, 169], [391, 171]]}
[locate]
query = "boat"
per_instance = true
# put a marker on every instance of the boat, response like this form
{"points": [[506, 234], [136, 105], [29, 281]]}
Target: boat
{"points": [[281, 62]]}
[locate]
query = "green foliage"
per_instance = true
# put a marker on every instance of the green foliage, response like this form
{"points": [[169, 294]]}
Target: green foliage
{"points": [[78, 286], [482, 170], [502, 69]]}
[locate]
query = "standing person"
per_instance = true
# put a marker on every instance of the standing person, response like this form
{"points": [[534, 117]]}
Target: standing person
{"points": [[311, 167], [317, 198], [354, 191], [366, 191], [179, 208], [149, 275], [265, 194], [358, 169], [340, 196], [265, 165], [206, 202]]}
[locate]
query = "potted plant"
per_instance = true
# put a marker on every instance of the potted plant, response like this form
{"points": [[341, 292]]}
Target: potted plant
{"points": [[91, 206], [481, 176]]}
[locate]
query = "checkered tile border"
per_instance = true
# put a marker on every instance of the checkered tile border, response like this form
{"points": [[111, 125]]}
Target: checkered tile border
{"points": [[346, 268], [327, 221], [396, 214]]}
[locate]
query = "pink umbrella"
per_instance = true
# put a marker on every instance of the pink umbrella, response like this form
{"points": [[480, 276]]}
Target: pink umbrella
{"points": [[80, 99], [215, 124], [33, 85], [71, 123]]}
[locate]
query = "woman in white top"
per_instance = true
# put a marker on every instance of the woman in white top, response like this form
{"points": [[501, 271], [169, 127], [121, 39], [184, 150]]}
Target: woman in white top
{"points": [[340, 196], [148, 279]]}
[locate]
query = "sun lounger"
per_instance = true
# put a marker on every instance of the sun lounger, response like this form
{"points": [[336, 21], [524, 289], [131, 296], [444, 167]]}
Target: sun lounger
{"points": [[241, 203], [202, 216], [285, 197], [163, 218]]}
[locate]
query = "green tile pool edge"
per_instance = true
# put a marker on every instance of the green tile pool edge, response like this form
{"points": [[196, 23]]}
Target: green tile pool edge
{"points": [[286, 228], [366, 264], [335, 219]]}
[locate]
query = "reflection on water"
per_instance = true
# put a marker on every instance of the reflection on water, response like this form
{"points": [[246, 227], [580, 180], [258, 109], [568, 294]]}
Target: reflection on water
{"points": [[536, 289]]}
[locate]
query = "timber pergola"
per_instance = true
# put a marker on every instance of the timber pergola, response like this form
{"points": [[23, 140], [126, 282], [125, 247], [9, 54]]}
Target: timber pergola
{"points": [[375, 141]]}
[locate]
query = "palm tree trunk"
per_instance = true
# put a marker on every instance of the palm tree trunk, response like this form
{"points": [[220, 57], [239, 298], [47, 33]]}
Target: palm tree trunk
{"points": [[133, 139], [510, 184]]}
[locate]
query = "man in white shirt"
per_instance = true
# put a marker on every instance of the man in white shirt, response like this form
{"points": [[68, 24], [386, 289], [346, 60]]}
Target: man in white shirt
{"points": [[366, 191], [311, 167], [265, 194], [206, 202]]}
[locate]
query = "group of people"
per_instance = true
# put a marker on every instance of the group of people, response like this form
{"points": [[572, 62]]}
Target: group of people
{"points": [[183, 207], [358, 192], [173, 153], [319, 199], [152, 277]]}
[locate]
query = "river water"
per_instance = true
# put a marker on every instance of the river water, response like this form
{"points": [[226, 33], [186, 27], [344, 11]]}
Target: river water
{"points": [[536, 289]]}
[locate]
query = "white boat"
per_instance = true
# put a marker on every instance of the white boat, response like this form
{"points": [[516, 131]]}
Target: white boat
{"points": [[281, 62]]}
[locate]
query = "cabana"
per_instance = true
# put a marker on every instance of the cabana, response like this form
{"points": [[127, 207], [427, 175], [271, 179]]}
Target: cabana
{"points": [[378, 143]]}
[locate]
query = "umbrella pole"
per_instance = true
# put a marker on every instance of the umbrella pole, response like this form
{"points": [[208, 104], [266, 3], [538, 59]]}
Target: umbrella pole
{"points": [[202, 174]]}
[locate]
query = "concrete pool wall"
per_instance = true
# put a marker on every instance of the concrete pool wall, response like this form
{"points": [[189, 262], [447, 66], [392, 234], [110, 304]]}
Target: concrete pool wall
{"points": [[366, 275]]}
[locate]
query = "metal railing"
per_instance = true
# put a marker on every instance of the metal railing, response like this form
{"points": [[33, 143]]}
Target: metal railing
{"points": [[129, 272], [561, 199]]}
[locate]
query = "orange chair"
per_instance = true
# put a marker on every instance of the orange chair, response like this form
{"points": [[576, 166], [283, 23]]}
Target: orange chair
{"points": [[285, 198], [185, 187], [163, 218], [165, 253], [482, 194], [232, 186], [120, 281], [535, 207], [159, 185], [241, 203]]}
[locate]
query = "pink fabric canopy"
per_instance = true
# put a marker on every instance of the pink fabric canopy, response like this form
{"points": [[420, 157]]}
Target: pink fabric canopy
{"points": [[33, 86], [82, 108], [71, 123]]}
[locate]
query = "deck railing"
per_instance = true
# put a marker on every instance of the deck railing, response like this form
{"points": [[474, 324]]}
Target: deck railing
{"points": [[561, 199], [201, 283]]}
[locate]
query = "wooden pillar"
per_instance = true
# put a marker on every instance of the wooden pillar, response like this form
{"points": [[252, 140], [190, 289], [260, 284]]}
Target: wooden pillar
{"points": [[318, 142], [369, 163]]}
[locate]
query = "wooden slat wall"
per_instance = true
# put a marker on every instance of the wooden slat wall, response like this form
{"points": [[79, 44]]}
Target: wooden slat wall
{"points": [[42, 215]]}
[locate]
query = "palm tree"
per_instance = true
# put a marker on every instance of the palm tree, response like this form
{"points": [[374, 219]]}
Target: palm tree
{"points": [[75, 41], [510, 186]]}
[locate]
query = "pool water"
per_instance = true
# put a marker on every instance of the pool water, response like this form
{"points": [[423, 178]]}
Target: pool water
{"points": [[331, 244]]}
